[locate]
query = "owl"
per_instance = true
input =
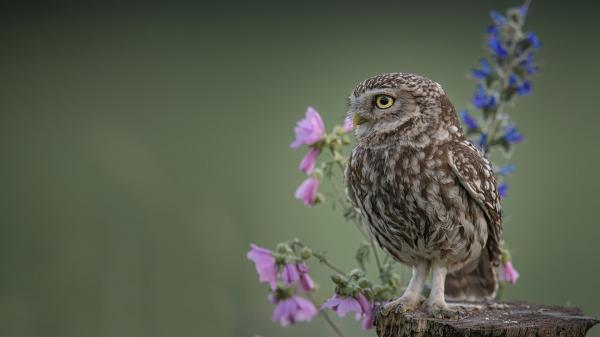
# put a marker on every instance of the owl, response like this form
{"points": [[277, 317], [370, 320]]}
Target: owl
{"points": [[426, 193]]}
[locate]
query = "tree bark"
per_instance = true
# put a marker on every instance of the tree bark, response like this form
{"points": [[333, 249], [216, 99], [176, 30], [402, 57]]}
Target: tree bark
{"points": [[514, 319]]}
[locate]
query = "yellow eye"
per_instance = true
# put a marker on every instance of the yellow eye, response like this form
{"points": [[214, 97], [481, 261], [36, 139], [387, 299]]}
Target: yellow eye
{"points": [[384, 101]]}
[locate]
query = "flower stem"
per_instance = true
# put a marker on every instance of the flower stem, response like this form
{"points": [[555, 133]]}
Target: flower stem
{"points": [[321, 257]]}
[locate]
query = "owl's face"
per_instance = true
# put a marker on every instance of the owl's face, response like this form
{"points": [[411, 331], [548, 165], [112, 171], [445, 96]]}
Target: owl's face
{"points": [[380, 111]]}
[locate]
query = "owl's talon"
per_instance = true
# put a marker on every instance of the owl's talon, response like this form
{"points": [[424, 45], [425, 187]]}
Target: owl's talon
{"points": [[402, 305], [443, 311]]}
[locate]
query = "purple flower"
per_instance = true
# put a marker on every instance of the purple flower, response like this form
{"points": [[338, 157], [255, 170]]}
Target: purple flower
{"points": [[344, 305], [306, 282], [469, 120], [294, 309], [499, 19], [508, 273], [309, 130], [265, 265], [496, 46], [482, 100], [484, 72], [307, 191], [506, 169], [502, 189], [533, 40], [307, 165], [348, 124], [512, 135]]}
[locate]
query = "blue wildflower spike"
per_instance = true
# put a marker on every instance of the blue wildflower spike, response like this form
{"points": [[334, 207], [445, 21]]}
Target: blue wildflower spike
{"points": [[499, 19], [482, 141], [496, 47], [533, 40], [482, 100], [484, 72], [468, 120], [512, 135], [524, 89], [502, 189]]}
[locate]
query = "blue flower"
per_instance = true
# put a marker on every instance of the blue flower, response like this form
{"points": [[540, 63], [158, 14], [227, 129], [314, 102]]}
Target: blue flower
{"points": [[512, 135], [482, 100], [533, 40], [484, 72], [499, 19], [496, 46], [502, 189], [523, 10], [524, 89], [469, 120], [492, 30], [506, 169], [481, 142], [529, 64]]}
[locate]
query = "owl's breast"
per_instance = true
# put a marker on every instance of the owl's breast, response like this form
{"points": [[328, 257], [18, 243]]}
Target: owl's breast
{"points": [[412, 203]]}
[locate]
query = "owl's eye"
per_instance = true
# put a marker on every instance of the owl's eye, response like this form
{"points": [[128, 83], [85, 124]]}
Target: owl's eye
{"points": [[384, 101]]}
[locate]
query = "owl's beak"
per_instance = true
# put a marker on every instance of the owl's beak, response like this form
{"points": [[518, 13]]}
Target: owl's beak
{"points": [[358, 120]]}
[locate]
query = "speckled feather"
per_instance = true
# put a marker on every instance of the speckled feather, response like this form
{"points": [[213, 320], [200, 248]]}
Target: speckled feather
{"points": [[424, 191]]}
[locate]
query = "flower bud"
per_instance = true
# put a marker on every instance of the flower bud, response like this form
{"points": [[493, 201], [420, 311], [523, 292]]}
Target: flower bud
{"points": [[283, 248], [364, 283], [356, 273], [338, 279], [305, 253]]}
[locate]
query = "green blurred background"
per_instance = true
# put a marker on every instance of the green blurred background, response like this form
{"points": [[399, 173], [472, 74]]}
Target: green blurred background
{"points": [[145, 147]]}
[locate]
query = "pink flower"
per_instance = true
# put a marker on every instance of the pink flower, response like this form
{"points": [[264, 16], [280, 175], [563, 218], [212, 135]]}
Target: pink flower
{"points": [[508, 273], [344, 305], [309, 130], [265, 265], [307, 191], [348, 124], [290, 274], [294, 309], [307, 165], [306, 283]]}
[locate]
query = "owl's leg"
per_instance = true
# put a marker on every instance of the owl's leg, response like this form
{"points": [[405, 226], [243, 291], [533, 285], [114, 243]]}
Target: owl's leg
{"points": [[411, 299], [436, 303]]}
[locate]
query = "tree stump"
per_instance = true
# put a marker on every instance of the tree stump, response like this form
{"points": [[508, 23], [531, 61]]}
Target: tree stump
{"points": [[514, 319]]}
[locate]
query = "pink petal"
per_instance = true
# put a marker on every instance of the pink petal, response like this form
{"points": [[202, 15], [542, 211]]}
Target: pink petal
{"points": [[307, 191], [367, 308], [348, 124], [347, 305], [266, 268], [332, 302], [306, 309], [307, 165], [290, 274], [306, 282]]}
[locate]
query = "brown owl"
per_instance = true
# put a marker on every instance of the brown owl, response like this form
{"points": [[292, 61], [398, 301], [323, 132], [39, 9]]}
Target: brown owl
{"points": [[427, 195]]}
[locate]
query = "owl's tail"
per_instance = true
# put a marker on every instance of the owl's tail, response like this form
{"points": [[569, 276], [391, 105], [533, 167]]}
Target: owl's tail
{"points": [[477, 281]]}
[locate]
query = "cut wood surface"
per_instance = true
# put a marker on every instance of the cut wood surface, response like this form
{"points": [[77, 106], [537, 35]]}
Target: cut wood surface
{"points": [[499, 319]]}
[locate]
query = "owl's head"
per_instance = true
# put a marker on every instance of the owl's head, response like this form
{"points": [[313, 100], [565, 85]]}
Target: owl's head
{"points": [[398, 105]]}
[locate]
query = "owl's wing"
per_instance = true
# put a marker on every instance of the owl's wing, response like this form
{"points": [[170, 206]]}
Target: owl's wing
{"points": [[476, 175]]}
